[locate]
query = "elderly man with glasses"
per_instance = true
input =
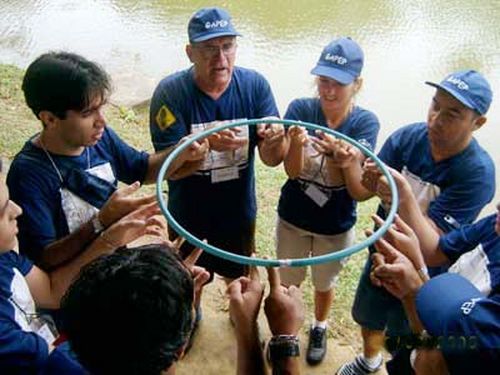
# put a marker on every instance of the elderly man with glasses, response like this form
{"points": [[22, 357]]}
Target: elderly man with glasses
{"points": [[215, 198]]}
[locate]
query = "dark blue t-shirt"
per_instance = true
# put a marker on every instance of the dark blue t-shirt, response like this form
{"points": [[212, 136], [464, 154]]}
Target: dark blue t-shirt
{"points": [[22, 351], [451, 192], [178, 108], [338, 214], [35, 185], [475, 251]]}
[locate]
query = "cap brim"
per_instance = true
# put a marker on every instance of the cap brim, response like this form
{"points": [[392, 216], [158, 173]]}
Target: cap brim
{"points": [[336, 74], [439, 301], [455, 94], [214, 35]]}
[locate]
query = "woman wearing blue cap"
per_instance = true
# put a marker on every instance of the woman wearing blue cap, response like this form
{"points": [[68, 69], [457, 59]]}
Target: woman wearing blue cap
{"points": [[317, 207]]}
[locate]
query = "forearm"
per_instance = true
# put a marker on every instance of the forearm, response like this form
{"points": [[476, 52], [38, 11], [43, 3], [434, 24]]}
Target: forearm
{"points": [[411, 313], [178, 167], [352, 177], [186, 170], [62, 277], [294, 160], [272, 155], [67, 248], [250, 359], [287, 366], [426, 230]]}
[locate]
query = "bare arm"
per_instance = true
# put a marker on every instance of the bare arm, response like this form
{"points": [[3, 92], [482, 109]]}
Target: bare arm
{"points": [[67, 248], [347, 160], [48, 288], [294, 159], [273, 145], [184, 165], [245, 297], [409, 211]]}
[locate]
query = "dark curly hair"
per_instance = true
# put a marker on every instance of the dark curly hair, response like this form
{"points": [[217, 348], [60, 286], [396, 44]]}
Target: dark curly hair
{"points": [[130, 312]]}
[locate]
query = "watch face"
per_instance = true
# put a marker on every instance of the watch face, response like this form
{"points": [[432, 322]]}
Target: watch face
{"points": [[284, 347]]}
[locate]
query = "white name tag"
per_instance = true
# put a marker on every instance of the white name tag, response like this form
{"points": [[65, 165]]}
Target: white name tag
{"points": [[224, 174], [46, 334], [316, 195]]}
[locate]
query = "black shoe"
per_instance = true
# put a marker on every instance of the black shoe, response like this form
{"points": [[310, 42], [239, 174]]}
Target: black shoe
{"points": [[316, 349]]}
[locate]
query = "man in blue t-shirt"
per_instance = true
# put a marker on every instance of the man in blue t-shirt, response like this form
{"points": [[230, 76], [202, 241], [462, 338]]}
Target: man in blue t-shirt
{"points": [[444, 179], [65, 177], [215, 200], [27, 337]]}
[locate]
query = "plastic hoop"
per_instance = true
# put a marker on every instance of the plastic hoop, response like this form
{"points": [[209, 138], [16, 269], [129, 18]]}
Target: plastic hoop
{"points": [[296, 262]]}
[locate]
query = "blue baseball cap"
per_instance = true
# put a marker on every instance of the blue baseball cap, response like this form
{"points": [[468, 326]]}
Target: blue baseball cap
{"points": [[446, 303], [469, 87], [342, 60], [209, 23]]}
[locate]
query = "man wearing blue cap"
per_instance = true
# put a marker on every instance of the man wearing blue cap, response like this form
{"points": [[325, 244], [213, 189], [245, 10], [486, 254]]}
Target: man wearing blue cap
{"points": [[463, 317], [215, 198], [444, 179]]}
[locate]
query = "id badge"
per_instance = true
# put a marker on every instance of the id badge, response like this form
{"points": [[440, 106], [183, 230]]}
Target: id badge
{"points": [[316, 195], [224, 174], [45, 327]]}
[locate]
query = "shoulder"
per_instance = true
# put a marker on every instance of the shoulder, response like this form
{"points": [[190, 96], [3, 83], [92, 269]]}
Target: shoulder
{"points": [[175, 83], [363, 114], [250, 77], [478, 157], [410, 134], [305, 104], [11, 260]]}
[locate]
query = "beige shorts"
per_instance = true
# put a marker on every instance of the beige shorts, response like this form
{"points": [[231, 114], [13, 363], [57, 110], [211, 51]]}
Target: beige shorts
{"points": [[293, 242]]}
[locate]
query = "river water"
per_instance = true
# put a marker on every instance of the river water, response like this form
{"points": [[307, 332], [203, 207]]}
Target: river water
{"points": [[405, 43]]}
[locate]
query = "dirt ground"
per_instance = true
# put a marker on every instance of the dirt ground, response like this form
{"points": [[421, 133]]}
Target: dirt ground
{"points": [[214, 348]]}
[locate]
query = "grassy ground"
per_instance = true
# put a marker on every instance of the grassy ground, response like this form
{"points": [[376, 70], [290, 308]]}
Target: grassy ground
{"points": [[17, 124]]}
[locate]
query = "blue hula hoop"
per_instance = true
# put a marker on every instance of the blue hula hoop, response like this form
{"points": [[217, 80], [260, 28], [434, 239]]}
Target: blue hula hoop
{"points": [[296, 262]]}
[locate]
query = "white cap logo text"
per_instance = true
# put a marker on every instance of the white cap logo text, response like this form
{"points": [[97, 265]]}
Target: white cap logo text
{"points": [[340, 60], [469, 305], [217, 23], [458, 82]]}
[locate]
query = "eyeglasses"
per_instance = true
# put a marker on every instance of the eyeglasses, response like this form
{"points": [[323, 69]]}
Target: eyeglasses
{"points": [[209, 52]]}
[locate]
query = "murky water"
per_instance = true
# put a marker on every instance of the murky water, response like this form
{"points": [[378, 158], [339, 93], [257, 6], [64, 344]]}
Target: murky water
{"points": [[405, 43]]}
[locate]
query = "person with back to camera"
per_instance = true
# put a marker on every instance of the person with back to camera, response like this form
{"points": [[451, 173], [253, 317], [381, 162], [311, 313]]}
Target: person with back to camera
{"points": [[317, 206], [140, 303]]}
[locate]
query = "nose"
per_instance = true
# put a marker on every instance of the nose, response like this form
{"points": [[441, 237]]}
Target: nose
{"points": [[16, 210], [100, 118], [434, 118]]}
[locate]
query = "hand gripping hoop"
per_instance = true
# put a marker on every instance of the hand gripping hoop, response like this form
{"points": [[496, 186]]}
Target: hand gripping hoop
{"points": [[296, 262]]}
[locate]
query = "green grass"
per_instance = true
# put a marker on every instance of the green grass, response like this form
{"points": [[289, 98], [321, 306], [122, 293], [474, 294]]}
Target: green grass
{"points": [[17, 124]]}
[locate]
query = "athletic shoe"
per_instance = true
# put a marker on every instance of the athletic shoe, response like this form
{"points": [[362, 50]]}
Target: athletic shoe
{"points": [[358, 367], [316, 348]]}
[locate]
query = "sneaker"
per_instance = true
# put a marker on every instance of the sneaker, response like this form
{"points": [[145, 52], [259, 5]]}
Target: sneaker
{"points": [[358, 367], [196, 324], [316, 349]]}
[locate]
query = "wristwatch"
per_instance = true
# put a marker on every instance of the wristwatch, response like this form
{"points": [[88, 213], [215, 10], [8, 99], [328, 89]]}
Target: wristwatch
{"points": [[283, 346], [97, 225]]}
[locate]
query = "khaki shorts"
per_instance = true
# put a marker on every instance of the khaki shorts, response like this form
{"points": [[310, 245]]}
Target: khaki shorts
{"points": [[293, 242]]}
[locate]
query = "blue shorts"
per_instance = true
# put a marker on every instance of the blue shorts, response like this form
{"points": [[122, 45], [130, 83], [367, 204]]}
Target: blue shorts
{"points": [[376, 309]]}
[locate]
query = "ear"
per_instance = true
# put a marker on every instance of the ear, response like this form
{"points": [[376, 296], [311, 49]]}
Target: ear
{"points": [[358, 83], [189, 52], [479, 122], [48, 118]]}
